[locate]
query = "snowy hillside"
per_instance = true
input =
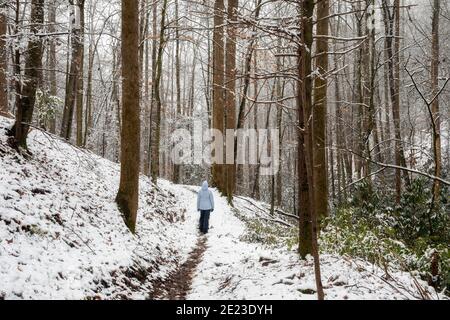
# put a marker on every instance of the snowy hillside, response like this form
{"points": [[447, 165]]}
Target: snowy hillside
{"points": [[62, 237]]}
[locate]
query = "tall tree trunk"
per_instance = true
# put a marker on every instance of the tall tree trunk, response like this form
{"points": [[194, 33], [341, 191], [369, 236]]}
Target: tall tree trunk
{"points": [[17, 67], [371, 74], [88, 112], [386, 89], [339, 123], [33, 67], [52, 64], [280, 87], [155, 154], [80, 90], [230, 93], [80, 85], [142, 81], [76, 68], [147, 98], [358, 113], [279, 178], [256, 194], [177, 167], [218, 90], [116, 74], [246, 86], [393, 48], [128, 194], [148, 160], [437, 148], [367, 89], [320, 112], [400, 154], [4, 108], [304, 212], [310, 159]]}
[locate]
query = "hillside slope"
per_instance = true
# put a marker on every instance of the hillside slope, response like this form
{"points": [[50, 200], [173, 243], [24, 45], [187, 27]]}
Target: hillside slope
{"points": [[62, 237]]}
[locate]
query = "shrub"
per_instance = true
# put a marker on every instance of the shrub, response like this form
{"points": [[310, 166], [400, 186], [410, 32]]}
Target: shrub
{"points": [[371, 227], [415, 219]]}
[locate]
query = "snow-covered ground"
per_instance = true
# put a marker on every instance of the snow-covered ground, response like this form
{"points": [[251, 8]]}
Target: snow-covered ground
{"points": [[62, 237], [235, 269]]}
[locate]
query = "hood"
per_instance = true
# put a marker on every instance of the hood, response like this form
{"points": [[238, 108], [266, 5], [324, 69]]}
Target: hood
{"points": [[205, 185]]}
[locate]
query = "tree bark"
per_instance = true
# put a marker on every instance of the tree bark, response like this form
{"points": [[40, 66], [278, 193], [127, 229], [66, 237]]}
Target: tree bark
{"points": [[309, 131], [218, 89], [52, 63], [303, 97], [320, 113], [242, 106], [177, 167], [128, 194], [393, 48], [88, 114], [437, 148], [155, 153], [80, 85], [4, 108], [230, 93], [76, 69], [33, 67]]}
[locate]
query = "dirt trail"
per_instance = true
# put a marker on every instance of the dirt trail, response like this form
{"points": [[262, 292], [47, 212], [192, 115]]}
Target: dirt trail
{"points": [[178, 284]]}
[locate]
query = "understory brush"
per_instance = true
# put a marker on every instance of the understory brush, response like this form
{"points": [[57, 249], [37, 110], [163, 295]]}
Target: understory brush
{"points": [[409, 236]]}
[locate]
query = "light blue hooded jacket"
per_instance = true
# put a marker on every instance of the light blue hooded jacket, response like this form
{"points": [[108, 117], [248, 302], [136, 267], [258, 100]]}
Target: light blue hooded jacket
{"points": [[205, 198]]}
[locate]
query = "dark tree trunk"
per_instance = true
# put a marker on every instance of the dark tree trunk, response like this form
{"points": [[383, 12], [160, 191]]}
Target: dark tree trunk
{"points": [[52, 65], [33, 67], [436, 121], [177, 167], [128, 194], [4, 108], [155, 152], [218, 90], [75, 70], [230, 94]]}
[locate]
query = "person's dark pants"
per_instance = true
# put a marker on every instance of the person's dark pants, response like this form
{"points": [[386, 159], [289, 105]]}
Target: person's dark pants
{"points": [[204, 220]]}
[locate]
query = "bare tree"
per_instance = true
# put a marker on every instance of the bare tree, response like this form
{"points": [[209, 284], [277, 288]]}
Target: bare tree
{"points": [[75, 73], [3, 59], [51, 61], [319, 112], [230, 93], [176, 169], [128, 194], [218, 88], [33, 67], [307, 12], [155, 151], [435, 116]]}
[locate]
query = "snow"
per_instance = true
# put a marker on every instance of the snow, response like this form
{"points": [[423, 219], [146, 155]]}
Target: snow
{"points": [[234, 269], [62, 237]]}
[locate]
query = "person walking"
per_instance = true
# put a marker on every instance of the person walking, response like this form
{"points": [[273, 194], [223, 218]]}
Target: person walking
{"points": [[205, 205]]}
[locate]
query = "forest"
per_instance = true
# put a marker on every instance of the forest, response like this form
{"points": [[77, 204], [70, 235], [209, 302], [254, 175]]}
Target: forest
{"points": [[321, 126]]}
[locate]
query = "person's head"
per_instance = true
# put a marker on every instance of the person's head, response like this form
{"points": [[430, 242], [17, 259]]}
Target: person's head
{"points": [[205, 185]]}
